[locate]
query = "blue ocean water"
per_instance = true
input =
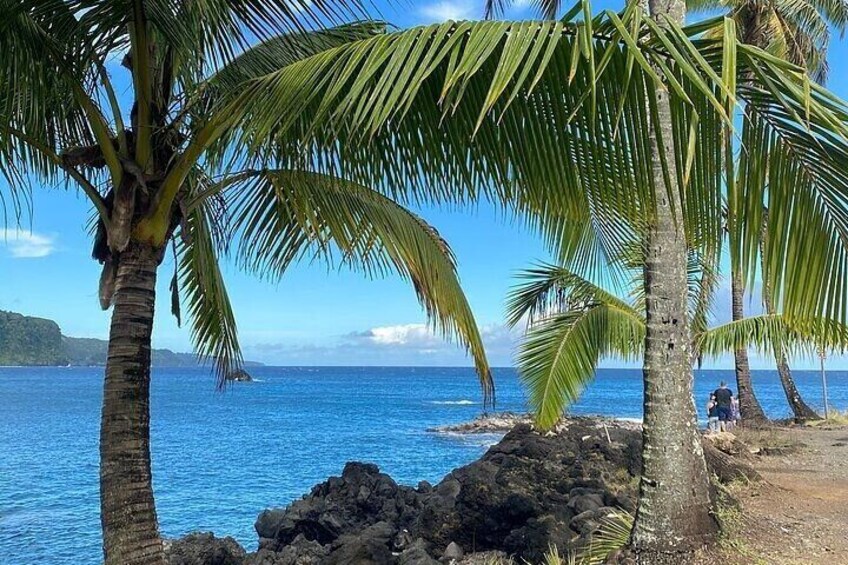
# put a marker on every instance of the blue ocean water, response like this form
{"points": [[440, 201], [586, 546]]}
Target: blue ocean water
{"points": [[220, 458]]}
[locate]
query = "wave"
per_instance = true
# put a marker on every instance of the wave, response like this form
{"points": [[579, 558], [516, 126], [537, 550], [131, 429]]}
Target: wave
{"points": [[453, 402]]}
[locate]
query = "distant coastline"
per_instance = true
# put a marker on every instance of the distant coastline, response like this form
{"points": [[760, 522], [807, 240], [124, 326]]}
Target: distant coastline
{"points": [[27, 341]]}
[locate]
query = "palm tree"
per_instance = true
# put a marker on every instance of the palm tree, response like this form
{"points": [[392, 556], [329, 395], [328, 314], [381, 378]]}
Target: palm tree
{"points": [[669, 409], [680, 507], [150, 167], [798, 32], [560, 118]]}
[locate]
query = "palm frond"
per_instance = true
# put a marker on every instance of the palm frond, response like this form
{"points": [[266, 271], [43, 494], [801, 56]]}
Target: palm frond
{"points": [[42, 64], [434, 113], [611, 535], [703, 277], [201, 284], [547, 289], [772, 333], [449, 88], [282, 215], [204, 35], [272, 54], [834, 11], [559, 355], [807, 232]]}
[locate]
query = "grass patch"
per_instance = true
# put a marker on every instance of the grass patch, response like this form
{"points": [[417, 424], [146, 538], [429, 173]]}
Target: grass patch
{"points": [[496, 560], [770, 441], [732, 525], [834, 418]]}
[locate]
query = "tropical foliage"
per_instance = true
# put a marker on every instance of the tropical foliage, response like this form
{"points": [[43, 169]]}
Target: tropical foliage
{"points": [[573, 323], [456, 106], [159, 179], [56, 75], [798, 31]]}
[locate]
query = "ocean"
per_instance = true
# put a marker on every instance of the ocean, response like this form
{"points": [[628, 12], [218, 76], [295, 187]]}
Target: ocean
{"points": [[219, 458]]}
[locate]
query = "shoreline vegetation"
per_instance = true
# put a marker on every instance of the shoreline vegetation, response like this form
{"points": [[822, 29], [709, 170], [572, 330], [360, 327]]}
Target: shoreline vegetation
{"points": [[781, 495]]}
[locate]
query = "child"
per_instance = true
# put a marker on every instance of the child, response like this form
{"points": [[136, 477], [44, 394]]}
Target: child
{"points": [[712, 414], [735, 417]]}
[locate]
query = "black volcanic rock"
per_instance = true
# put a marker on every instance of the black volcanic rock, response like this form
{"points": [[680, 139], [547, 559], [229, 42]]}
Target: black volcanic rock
{"points": [[529, 492], [239, 375], [202, 548]]}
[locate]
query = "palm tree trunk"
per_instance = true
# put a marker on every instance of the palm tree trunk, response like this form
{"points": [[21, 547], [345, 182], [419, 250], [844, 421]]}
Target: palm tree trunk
{"points": [[127, 511], [673, 516], [800, 409], [749, 407]]}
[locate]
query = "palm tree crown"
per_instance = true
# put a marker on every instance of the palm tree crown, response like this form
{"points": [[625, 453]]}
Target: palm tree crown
{"points": [[152, 168], [795, 30]]}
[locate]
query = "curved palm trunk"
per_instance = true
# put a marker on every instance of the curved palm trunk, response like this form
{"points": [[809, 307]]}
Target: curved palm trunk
{"points": [[673, 515], [127, 511], [749, 407], [800, 409]]}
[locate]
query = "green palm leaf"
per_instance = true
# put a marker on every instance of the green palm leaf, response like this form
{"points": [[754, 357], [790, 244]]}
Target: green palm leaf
{"points": [[280, 216], [397, 111], [267, 56], [551, 288], [213, 325], [558, 355], [772, 333], [572, 324]]}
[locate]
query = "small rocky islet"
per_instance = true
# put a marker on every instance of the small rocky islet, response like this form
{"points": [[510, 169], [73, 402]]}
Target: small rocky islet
{"points": [[528, 492]]}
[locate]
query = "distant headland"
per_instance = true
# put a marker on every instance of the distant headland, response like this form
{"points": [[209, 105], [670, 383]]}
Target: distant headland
{"points": [[39, 342]]}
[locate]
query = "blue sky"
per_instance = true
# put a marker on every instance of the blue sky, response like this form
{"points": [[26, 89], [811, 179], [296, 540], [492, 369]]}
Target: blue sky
{"points": [[312, 317]]}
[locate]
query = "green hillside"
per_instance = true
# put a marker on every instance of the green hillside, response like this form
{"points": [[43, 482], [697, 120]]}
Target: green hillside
{"points": [[30, 341], [25, 340]]}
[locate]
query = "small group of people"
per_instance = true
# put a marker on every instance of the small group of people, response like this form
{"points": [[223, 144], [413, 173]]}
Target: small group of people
{"points": [[722, 410]]}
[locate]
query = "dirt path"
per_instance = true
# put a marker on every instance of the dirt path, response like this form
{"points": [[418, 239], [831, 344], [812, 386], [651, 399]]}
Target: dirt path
{"points": [[800, 514]]}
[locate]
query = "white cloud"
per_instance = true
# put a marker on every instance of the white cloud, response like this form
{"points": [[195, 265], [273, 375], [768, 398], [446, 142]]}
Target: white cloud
{"points": [[450, 10], [417, 335], [26, 244], [404, 344]]}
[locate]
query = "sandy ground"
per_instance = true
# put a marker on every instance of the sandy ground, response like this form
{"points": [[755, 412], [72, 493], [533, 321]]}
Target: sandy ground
{"points": [[799, 515]]}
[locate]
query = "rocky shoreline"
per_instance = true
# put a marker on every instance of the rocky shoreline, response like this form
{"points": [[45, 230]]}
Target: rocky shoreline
{"points": [[503, 422], [528, 492], [500, 422]]}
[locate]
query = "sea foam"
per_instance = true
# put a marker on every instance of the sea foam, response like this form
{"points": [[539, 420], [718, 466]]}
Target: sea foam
{"points": [[453, 402]]}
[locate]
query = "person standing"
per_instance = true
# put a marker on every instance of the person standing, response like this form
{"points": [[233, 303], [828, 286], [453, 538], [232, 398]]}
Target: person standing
{"points": [[724, 400], [712, 414], [735, 415]]}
